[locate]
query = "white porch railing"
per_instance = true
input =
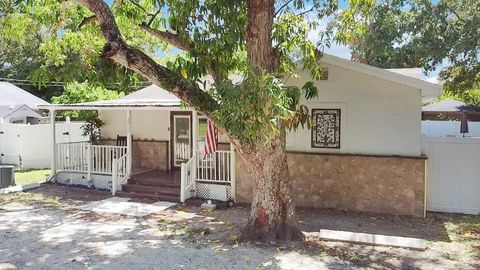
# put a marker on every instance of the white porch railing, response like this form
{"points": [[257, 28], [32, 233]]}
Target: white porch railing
{"points": [[214, 167], [72, 156], [119, 172], [182, 151], [86, 158], [210, 177]]}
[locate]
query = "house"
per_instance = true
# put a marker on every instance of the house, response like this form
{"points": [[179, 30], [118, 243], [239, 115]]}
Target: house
{"points": [[450, 118], [17, 106], [19, 114], [450, 109], [364, 154]]}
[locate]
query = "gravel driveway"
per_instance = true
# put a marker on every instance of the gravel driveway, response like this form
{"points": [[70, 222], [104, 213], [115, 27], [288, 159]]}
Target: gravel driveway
{"points": [[43, 230]]}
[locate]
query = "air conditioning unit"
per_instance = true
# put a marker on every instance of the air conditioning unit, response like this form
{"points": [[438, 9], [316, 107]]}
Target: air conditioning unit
{"points": [[7, 176]]}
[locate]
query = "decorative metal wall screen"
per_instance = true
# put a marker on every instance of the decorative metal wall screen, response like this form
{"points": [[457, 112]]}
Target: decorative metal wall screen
{"points": [[326, 128]]}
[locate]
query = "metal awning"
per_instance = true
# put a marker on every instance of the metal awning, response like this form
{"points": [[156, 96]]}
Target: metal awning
{"points": [[113, 105], [151, 97]]}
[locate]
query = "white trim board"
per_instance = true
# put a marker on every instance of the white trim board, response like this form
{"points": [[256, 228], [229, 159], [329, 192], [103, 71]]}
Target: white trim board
{"points": [[19, 188], [372, 239]]}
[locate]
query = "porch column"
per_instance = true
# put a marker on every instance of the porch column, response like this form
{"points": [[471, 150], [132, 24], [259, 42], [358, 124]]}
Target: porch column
{"points": [[194, 146], [194, 132], [232, 169], [53, 166], [129, 142]]}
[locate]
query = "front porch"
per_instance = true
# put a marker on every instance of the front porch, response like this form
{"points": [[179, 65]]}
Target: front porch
{"points": [[109, 167], [160, 155]]}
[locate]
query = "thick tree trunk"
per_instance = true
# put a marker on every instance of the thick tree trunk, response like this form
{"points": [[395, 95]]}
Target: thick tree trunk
{"points": [[259, 35], [273, 211]]}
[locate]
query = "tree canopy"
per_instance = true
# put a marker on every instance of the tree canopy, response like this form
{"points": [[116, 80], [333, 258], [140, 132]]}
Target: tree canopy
{"points": [[39, 42], [420, 33]]}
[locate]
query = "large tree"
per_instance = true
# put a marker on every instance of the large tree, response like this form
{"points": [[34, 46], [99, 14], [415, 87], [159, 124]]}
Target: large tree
{"points": [[256, 37]]}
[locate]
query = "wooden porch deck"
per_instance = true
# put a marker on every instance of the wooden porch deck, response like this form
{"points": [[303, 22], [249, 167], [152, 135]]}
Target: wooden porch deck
{"points": [[153, 184]]}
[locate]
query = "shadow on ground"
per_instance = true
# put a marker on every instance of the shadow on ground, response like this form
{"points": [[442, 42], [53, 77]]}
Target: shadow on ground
{"points": [[41, 229]]}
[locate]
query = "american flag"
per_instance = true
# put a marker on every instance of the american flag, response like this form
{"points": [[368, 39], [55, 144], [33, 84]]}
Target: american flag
{"points": [[211, 139]]}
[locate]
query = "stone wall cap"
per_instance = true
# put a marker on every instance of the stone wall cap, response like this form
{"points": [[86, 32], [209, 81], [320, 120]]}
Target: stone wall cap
{"points": [[357, 155]]}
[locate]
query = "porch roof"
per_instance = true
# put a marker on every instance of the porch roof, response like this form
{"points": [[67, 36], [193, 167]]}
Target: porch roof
{"points": [[149, 97]]}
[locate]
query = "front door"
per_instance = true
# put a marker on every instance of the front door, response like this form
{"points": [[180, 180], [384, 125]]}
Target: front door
{"points": [[181, 137]]}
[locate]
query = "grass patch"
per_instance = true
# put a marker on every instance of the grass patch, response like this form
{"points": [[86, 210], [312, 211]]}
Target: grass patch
{"points": [[28, 198], [31, 176], [466, 229]]}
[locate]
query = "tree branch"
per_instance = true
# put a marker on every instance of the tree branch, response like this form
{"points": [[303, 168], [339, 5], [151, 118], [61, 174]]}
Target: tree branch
{"points": [[140, 7], [87, 20], [306, 11], [153, 17], [282, 7], [170, 37], [173, 39], [134, 59]]}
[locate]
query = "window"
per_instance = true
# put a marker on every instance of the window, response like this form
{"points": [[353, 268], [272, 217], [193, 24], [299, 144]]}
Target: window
{"points": [[202, 130], [324, 76], [326, 128]]}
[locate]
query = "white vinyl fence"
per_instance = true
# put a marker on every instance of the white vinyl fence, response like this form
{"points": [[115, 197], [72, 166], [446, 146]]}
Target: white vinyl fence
{"points": [[453, 174], [449, 129], [30, 146]]}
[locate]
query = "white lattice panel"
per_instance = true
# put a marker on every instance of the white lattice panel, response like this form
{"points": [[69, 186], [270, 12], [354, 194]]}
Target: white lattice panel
{"points": [[77, 178], [213, 191]]}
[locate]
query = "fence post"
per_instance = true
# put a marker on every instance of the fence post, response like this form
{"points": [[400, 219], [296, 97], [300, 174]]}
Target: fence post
{"points": [[54, 146], [183, 182], [89, 162], [114, 177]]}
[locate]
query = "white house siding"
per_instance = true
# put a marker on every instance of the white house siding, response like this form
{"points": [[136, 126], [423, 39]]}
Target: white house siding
{"points": [[377, 116], [146, 125]]}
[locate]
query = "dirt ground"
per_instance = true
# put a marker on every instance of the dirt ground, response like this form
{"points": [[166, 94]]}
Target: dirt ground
{"points": [[41, 230]]}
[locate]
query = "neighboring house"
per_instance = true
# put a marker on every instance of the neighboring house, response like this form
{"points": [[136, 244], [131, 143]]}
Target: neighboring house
{"points": [[19, 114], [18, 106], [364, 154], [450, 109], [450, 118]]}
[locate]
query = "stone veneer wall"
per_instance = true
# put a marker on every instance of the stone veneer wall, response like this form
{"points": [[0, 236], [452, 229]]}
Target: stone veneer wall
{"points": [[381, 184], [148, 154]]}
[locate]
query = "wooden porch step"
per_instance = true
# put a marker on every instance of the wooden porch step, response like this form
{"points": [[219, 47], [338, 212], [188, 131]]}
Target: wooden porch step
{"points": [[154, 182], [169, 191], [154, 197], [151, 189]]}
